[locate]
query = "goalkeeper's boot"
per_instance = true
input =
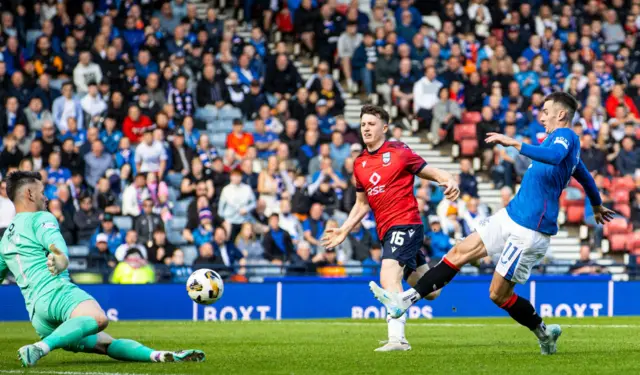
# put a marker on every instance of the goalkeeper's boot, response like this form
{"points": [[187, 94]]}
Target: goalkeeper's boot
{"points": [[190, 355], [396, 307], [394, 346], [29, 355], [548, 345]]}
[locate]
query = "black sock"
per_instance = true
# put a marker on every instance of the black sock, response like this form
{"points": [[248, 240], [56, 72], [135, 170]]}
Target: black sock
{"points": [[436, 278], [523, 312]]}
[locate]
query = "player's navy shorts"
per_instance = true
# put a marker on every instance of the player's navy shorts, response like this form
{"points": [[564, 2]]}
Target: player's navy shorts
{"points": [[403, 243]]}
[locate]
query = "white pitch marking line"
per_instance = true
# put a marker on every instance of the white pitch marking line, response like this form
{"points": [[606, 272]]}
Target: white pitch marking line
{"points": [[468, 325]]}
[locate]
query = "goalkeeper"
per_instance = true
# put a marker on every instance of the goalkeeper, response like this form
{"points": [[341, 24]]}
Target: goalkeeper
{"points": [[63, 315]]}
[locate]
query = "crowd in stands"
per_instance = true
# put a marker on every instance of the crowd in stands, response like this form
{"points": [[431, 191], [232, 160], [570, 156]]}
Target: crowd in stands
{"points": [[169, 142]]}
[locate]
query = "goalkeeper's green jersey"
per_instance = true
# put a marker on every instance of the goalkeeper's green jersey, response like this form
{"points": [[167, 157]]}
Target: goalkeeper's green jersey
{"points": [[23, 251]]}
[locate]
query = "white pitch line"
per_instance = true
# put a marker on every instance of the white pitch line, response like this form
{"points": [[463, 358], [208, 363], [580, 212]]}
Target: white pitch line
{"points": [[70, 372], [466, 325]]}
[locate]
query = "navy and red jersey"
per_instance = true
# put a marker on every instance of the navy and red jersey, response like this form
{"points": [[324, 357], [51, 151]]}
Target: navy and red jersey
{"points": [[387, 176]]}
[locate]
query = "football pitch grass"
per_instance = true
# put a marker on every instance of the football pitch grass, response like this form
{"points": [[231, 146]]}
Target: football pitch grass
{"points": [[318, 347]]}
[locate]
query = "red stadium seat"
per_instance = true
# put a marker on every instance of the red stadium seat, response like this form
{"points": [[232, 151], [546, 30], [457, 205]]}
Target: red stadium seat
{"points": [[623, 209], [468, 147], [464, 131], [611, 170], [471, 117], [618, 225], [633, 242], [618, 242], [563, 200], [621, 196], [575, 214], [606, 183], [637, 134], [623, 183], [442, 133]]}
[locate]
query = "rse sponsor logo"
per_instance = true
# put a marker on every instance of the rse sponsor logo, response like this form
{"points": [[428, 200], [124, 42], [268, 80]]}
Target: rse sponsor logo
{"points": [[375, 190], [577, 310], [562, 141], [374, 312]]}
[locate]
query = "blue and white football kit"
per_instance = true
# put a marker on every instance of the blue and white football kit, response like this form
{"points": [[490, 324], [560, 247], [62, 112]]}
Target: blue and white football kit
{"points": [[521, 232]]}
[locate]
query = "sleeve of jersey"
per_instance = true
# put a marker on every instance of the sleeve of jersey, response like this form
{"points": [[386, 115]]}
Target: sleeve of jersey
{"points": [[359, 187], [3, 269], [414, 162], [585, 179], [552, 154], [47, 232]]}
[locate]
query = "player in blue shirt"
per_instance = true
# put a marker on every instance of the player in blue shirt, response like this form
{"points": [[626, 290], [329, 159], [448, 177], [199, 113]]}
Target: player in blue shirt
{"points": [[520, 232]]}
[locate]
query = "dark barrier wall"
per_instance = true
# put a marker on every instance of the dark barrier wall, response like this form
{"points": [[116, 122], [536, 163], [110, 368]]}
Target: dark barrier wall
{"points": [[308, 298]]}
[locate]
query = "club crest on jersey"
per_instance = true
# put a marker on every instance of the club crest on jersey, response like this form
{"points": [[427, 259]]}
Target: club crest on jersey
{"points": [[386, 158], [364, 163]]}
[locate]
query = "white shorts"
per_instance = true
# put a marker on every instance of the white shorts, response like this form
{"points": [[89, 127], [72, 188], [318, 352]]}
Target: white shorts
{"points": [[520, 248]]}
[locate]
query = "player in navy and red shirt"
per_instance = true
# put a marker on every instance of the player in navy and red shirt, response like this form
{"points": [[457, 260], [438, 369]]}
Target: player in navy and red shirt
{"points": [[385, 172]]}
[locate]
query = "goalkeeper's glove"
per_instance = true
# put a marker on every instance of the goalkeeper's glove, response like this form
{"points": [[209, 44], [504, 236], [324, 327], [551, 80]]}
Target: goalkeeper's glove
{"points": [[57, 262]]}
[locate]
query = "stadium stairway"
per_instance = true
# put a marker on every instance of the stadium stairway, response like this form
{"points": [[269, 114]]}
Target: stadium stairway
{"points": [[564, 246]]}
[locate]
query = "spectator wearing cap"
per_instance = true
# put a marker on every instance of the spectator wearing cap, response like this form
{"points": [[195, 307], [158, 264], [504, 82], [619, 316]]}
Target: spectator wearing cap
{"points": [[108, 232], [147, 222], [101, 256], [326, 122], [86, 219], [85, 72], [97, 162], [278, 247], [150, 155], [440, 242], [67, 106], [237, 200], [134, 124], [204, 232]]}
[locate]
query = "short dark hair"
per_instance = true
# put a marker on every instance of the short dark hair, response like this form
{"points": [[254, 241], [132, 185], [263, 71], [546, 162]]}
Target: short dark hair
{"points": [[16, 180], [379, 112], [565, 100]]}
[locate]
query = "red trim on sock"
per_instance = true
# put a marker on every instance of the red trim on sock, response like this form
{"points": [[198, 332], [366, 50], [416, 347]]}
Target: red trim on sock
{"points": [[509, 302], [450, 264]]}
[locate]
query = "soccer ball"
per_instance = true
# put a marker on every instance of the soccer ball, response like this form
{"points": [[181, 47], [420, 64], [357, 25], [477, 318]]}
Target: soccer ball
{"points": [[205, 286]]}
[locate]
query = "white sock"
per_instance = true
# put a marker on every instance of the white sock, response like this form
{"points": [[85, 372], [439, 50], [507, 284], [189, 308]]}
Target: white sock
{"points": [[42, 345], [410, 296], [158, 355], [396, 328]]}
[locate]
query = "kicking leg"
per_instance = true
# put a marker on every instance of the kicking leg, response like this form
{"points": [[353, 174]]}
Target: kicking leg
{"points": [[413, 278], [391, 279], [86, 319]]}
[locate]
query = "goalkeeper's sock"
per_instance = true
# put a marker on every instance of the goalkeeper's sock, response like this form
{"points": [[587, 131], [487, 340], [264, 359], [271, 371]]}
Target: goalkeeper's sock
{"points": [[521, 310], [396, 328], [69, 332], [131, 351], [436, 278]]}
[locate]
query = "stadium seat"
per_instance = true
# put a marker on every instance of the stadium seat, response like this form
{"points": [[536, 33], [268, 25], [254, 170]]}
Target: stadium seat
{"points": [[178, 223], [175, 237], [623, 209], [78, 251], [464, 131], [575, 214], [611, 170], [623, 183], [77, 264], [468, 147], [181, 207], [190, 253], [618, 225], [471, 117], [633, 242], [123, 222], [618, 242]]}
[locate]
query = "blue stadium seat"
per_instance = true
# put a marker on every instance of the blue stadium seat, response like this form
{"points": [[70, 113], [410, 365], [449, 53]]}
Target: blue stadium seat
{"points": [[181, 207], [173, 194], [175, 237], [178, 223], [249, 126], [229, 113], [78, 251], [77, 264], [190, 253], [123, 222]]}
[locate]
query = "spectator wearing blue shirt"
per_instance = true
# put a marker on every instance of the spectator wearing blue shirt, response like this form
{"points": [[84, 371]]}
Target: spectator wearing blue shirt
{"points": [[326, 122], [56, 173], [179, 271], [535, 49], [112, 235], [259, 42], [109, 135], [125, 155], [416, 17], [371, 265], [528, 80], [266, 142], [406, 29], [79, 136], [313, 227], [246, 73], [225, 250], [277, 244], [204, 232], [144, 65], [440, 241], [191, 135]]}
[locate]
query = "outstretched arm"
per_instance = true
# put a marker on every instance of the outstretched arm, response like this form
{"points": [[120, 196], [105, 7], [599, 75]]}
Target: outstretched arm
{"points": [[48, 235], [334, 237], [601, 213], [443, 178], [553, 154]]}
